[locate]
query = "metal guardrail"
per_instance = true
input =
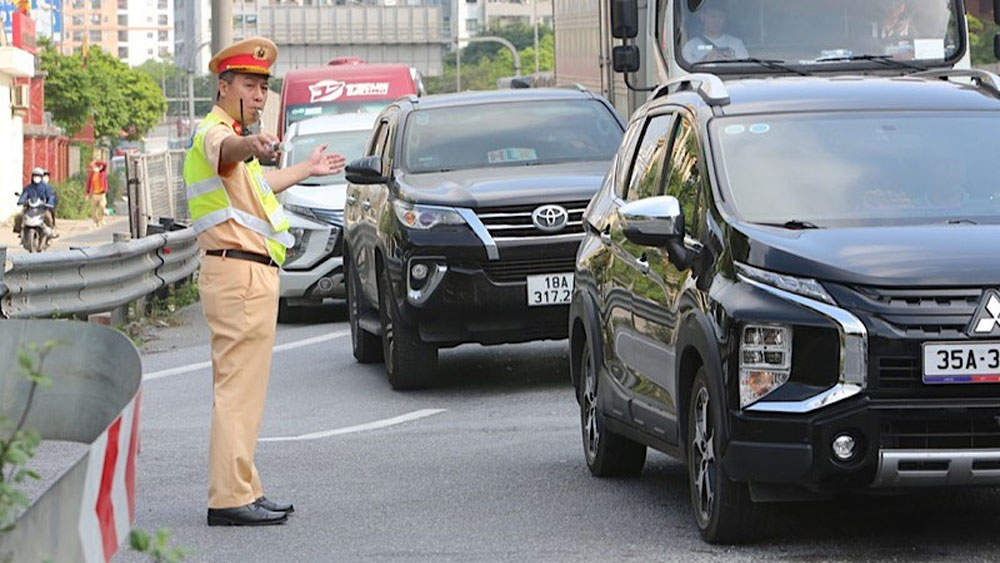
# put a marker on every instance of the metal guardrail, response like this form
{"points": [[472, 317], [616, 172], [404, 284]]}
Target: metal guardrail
{"points": [[97, 279], [94, 399]]}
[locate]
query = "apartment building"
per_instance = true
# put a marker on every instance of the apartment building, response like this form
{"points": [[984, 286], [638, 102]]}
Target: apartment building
{"points": [[133, 30], [470, 17]]}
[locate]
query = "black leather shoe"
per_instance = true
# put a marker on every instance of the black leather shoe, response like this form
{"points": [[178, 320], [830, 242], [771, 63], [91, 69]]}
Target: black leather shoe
{"points": [[267, 504], [249, 515]]}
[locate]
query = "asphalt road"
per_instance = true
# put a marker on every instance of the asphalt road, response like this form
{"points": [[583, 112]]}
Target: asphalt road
{"points": [[489, 468]]}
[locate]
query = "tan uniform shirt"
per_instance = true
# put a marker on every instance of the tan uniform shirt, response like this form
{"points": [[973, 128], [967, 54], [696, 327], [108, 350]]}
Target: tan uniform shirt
{"points": [[236, 179]]}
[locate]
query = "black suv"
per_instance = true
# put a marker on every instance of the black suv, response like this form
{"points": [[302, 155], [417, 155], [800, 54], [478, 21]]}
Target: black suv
{"points": [[792, 285], [463, 219]]}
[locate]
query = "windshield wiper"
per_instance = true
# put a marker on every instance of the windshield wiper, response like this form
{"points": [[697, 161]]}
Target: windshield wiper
{"points": [[794, 225], [884, 60], [772, 64], [961, 222]]}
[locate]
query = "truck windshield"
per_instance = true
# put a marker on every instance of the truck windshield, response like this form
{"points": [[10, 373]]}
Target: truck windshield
{"points": [[349, 144], [812, 32], [509, 134], [860, 169]]}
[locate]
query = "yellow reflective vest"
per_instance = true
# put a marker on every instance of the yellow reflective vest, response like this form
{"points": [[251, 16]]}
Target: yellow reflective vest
{"points": [[209, 205]]}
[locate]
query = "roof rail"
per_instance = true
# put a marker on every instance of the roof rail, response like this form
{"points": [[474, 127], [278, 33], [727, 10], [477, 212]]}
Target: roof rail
{"points": [[412, 98], [981, 78], [710, 87]]}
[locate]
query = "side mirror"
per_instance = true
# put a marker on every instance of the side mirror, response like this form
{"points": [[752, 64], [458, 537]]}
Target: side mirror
{"points": [[996, 11], [625, 58], [654, 221], [366, 170], [625, 18], [996, 44]]}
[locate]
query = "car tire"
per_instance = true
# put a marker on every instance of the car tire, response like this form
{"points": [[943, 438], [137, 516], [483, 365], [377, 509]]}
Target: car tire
{"points": [[366, 346], [607, 454], [723, 510], [410, 363]]}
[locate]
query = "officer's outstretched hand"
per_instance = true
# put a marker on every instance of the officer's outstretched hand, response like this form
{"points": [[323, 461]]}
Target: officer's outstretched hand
{"points": [[263, 146], [323, 164]]}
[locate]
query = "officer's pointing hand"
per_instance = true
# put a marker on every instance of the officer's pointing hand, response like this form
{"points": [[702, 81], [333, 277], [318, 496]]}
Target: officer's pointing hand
{"points": [[323, 164], [262, 145]]}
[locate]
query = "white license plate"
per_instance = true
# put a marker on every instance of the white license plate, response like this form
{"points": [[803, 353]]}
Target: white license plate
{"points": [[550, 289], [962, 362]]}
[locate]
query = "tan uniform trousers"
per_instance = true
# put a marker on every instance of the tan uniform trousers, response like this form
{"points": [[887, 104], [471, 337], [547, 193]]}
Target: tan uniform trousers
{"points": [[240, 300]]}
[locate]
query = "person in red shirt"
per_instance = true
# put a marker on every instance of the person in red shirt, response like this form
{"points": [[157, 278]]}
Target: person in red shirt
{"points": [[97, 190]]}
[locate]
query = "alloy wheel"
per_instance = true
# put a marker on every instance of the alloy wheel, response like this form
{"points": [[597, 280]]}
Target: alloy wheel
{"points": [[703, 456]]}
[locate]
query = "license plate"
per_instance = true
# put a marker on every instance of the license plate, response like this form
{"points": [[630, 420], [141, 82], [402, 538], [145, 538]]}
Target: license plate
{"points": [[962, 362], [550, 289]]}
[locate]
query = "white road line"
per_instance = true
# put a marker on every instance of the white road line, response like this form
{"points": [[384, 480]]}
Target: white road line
{"points": [[359, 428], [279, 348]]}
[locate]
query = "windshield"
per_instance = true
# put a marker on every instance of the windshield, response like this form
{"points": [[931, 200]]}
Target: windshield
{"points": [[305, 111], [509, 134], [710, 32], [350, 144], [839, 170]]}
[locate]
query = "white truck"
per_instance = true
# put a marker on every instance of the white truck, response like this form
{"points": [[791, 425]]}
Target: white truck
{"points": [[313, 269], [662, 40]]}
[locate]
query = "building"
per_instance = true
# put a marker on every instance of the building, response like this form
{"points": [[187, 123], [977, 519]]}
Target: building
{"points": [[133, 30], [470, 17], [15, 64], [193, 25]]}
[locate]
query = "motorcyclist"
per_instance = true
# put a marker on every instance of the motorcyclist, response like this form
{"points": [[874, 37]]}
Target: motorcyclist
{"points": [[37, 189]]}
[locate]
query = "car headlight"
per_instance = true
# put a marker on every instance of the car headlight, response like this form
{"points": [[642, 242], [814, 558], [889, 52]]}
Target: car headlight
{"points": [[765, 361], [425, 216], [805, 287]]}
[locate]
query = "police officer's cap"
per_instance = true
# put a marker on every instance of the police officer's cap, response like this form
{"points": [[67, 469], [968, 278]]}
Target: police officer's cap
{"points": [[255, 55]]}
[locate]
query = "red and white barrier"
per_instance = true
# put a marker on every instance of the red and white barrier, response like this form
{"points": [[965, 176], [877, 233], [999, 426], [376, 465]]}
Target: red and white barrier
{"points": [[108, 505]]}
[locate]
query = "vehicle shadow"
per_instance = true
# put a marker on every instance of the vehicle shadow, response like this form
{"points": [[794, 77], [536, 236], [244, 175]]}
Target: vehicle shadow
{"points": [[918, 525], [333, 312], [487, 369]]}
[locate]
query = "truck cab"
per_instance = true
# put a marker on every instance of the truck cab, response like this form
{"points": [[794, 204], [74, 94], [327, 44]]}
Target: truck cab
{"points": [[661, 40]]}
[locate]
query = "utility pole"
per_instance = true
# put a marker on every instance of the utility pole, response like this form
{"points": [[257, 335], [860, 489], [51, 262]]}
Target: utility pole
{"points": [[190, 70], [458, 65], [534, 19], [222, 24]]}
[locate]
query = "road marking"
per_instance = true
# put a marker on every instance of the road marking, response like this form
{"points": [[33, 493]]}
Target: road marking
{"points": [[279, 348], [415, 415]]}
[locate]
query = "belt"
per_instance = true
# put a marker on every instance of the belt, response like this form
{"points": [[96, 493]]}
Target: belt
{"points": [[240, 255]]}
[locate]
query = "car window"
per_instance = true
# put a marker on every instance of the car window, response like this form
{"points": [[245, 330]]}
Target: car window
{"points": [[350, 144], [684, 176], [624, 158], [647, 172], [378, 139], [508, 134]]}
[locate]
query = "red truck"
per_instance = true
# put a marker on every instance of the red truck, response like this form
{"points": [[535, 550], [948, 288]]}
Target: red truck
{"points": [[345, 85]]}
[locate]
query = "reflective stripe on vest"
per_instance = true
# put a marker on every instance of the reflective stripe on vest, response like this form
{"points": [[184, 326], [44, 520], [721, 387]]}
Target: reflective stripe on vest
{"points": [[209, 204]]}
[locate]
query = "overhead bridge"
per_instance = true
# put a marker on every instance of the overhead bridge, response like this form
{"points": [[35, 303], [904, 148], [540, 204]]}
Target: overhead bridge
{"points": [[312, 35]]}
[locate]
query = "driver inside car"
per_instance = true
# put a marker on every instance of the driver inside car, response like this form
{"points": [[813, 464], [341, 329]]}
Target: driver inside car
{"points": [[713, 44]]}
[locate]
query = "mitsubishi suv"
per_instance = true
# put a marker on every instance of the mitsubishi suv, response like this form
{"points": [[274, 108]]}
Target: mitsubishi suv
{"points": [[463, 219], [792, 285]]}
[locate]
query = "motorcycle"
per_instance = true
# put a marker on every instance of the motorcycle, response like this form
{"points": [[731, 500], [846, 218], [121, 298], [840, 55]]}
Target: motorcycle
{"points": [[35, 234]]}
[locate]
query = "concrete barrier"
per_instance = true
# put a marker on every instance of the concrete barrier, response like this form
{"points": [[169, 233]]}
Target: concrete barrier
{"points": [[94, 399]]}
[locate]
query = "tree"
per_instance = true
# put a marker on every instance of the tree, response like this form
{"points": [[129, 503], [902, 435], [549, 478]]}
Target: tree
{"points": [[981, 41], [123, 102], [482, 74]]}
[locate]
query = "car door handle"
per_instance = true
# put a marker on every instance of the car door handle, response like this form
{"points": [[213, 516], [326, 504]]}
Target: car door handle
{"points": [[366, 205], [643, 264], [351, 200]]}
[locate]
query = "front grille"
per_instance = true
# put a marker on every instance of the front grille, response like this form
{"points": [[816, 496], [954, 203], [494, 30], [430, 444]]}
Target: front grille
{"points": [[897, 373], [917, 312], [960, 432], [514, 222], [518, 270]]}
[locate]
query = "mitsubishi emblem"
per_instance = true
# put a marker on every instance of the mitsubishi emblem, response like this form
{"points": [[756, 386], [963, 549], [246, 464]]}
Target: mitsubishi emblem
{"points": [[550, 218], [986, 321]]}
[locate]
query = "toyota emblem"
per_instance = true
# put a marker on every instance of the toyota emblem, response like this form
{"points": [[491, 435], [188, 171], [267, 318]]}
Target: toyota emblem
{"points": [[550, 218]]}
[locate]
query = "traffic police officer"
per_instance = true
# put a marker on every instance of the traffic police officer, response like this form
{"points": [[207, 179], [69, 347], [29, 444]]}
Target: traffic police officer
{"points": [[244, 233]]}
